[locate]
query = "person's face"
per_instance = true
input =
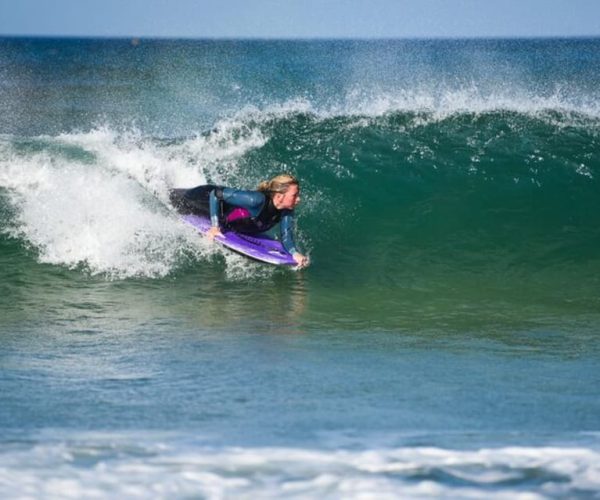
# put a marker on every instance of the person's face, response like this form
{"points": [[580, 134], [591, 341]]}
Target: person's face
{"points": [[287, 200]]}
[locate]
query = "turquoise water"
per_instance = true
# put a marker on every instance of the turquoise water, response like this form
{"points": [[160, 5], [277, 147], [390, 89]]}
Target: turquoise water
{"points": [[444, 341]]}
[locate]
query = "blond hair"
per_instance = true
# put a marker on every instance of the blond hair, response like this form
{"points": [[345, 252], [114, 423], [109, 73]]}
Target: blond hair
{"points": [[278, 184]]}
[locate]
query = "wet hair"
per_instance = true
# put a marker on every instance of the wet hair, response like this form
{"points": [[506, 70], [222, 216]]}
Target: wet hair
{"points": [[278, 184]]}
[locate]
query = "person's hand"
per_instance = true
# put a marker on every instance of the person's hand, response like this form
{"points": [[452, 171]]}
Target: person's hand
{"points": [[301, 260], [213, 231]]}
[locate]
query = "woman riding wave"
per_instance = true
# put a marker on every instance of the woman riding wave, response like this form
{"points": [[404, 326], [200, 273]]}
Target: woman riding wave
{"points": [[248, 212]]}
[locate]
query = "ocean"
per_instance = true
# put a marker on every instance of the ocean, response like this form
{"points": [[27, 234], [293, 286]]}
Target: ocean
{"points": [[444, 342]]}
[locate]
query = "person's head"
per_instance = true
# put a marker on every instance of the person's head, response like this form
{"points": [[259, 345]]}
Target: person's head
{"points": [[283, 189]]}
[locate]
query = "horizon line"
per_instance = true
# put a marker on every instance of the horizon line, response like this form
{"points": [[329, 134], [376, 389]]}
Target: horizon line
{"points": [[299, 38]]}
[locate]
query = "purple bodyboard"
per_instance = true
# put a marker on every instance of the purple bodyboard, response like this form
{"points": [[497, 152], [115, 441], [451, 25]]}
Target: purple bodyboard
{"points": [[257, 247]]}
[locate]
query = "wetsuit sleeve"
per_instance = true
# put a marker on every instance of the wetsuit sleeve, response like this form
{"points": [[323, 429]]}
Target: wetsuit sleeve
{"points": [[252, 201], [286, 227]]}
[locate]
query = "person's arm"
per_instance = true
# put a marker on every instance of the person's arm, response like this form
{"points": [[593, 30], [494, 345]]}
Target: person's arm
{"points": [[213, 203], [287, 238]]}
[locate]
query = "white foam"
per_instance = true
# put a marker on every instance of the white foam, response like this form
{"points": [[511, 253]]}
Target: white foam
{"points": [[105, 466], [183, 164], [110, 213]]}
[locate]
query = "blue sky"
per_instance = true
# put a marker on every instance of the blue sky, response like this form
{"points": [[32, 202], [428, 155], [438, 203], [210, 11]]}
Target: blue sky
{"points": [[301, 18]]}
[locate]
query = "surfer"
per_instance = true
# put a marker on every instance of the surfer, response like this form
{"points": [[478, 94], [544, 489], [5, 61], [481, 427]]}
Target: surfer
{"points": [[247, 212]]}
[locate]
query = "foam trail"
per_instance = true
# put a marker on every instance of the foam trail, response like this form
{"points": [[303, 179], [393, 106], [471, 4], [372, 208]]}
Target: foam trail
{"points": [[74, 215], [110, 213]]}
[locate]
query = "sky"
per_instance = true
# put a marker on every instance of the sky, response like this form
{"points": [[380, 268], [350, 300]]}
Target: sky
{"points": [[301, 18]]}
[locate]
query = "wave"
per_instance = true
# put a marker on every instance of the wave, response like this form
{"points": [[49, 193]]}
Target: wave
{"points": [[441, 181], [104, 465]]}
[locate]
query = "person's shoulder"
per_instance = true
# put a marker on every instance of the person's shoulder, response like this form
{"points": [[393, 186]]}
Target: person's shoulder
{"points": [[247, 197], [247, 191]]}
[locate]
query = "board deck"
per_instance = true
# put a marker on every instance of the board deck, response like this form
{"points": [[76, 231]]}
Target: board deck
{"points": [[256, 247]]}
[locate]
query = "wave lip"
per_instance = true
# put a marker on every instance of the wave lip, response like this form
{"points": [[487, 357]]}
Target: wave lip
{"points": [[443, 101]]}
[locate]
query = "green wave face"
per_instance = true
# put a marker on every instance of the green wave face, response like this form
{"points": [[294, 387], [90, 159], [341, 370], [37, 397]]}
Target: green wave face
{"points": [[401, 212]]}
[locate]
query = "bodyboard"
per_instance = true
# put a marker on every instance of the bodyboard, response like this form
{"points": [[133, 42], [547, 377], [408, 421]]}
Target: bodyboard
{"points": [[257, 247]]}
